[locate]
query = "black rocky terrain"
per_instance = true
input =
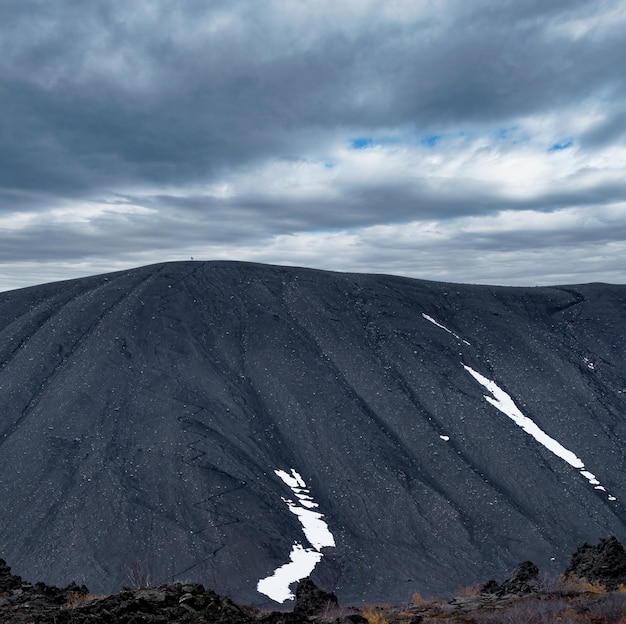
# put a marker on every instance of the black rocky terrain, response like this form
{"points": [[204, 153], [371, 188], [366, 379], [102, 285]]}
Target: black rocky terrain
{"points": [[522, 597], [22, 602], [143, 414], [604, 563]]}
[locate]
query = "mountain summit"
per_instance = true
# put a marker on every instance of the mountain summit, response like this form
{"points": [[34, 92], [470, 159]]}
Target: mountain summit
{"points": [[245, 425]]}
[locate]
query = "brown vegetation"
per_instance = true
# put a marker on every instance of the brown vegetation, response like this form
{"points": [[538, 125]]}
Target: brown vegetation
{"points": [[522, 598], [566, 600], [374, 615]]}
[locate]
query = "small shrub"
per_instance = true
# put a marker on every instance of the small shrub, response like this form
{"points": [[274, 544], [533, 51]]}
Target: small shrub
{"points": [[74, 599], [374, 616], [530, 612], [139, 574], [469, 590], [608, 608], [581, 585], [418, 600]]}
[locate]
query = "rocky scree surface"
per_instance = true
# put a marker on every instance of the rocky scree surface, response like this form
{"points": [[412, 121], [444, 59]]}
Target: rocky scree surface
{"points": [[22, 602], [521, 597], [604, 563], [145, 416]]}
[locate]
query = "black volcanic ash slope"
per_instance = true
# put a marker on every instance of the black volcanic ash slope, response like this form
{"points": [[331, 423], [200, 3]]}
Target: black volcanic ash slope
{"points": [[143, 414]]}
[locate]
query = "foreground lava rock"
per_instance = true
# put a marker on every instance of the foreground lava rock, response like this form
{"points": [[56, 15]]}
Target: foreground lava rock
{"points": [[311, 600], [8, 581], [520, 597], [604, 563], [523, 580], [21, 601], [178, 603]]}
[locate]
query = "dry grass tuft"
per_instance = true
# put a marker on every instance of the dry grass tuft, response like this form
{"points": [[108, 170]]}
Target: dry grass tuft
{"points": [[374, 615], [75, 599], [469, 590], [418, 600], [581, 585]]}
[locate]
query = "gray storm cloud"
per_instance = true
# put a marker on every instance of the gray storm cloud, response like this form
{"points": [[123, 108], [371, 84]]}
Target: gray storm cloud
{"points": [[295, 132]]}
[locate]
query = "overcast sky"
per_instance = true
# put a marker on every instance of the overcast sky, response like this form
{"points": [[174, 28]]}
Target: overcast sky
{"points": [[478, 141]]}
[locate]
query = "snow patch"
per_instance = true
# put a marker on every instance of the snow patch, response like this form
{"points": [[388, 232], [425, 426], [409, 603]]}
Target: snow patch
{"points": [[303, 559], [503, 402], [590, 477], [434, 322]]}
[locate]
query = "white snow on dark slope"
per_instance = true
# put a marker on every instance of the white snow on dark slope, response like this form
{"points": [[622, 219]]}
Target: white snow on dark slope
{"points": [[503, 402], [303, 562], [303, 559], [434, 322]]}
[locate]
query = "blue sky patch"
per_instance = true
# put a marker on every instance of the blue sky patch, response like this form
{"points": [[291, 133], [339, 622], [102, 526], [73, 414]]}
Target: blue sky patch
{"points": [[362, 143], [510, 134], [430, 140], [561, 145]]}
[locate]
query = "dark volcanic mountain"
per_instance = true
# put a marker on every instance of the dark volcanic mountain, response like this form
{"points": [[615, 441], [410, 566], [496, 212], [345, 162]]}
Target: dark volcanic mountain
{"points": [[446, 432]]}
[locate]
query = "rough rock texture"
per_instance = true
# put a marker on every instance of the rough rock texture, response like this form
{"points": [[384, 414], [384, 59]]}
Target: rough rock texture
{"points": [[605, 563], [143, 414], [524, 579], [490, 587], [311, 600], [21, 601], [178, 603], [8, 581]]}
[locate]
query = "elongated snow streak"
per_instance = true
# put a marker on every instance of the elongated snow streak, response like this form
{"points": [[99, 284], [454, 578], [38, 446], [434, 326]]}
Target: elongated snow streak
{"points": [[432, 320], [502, 401], [303, 559]]}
